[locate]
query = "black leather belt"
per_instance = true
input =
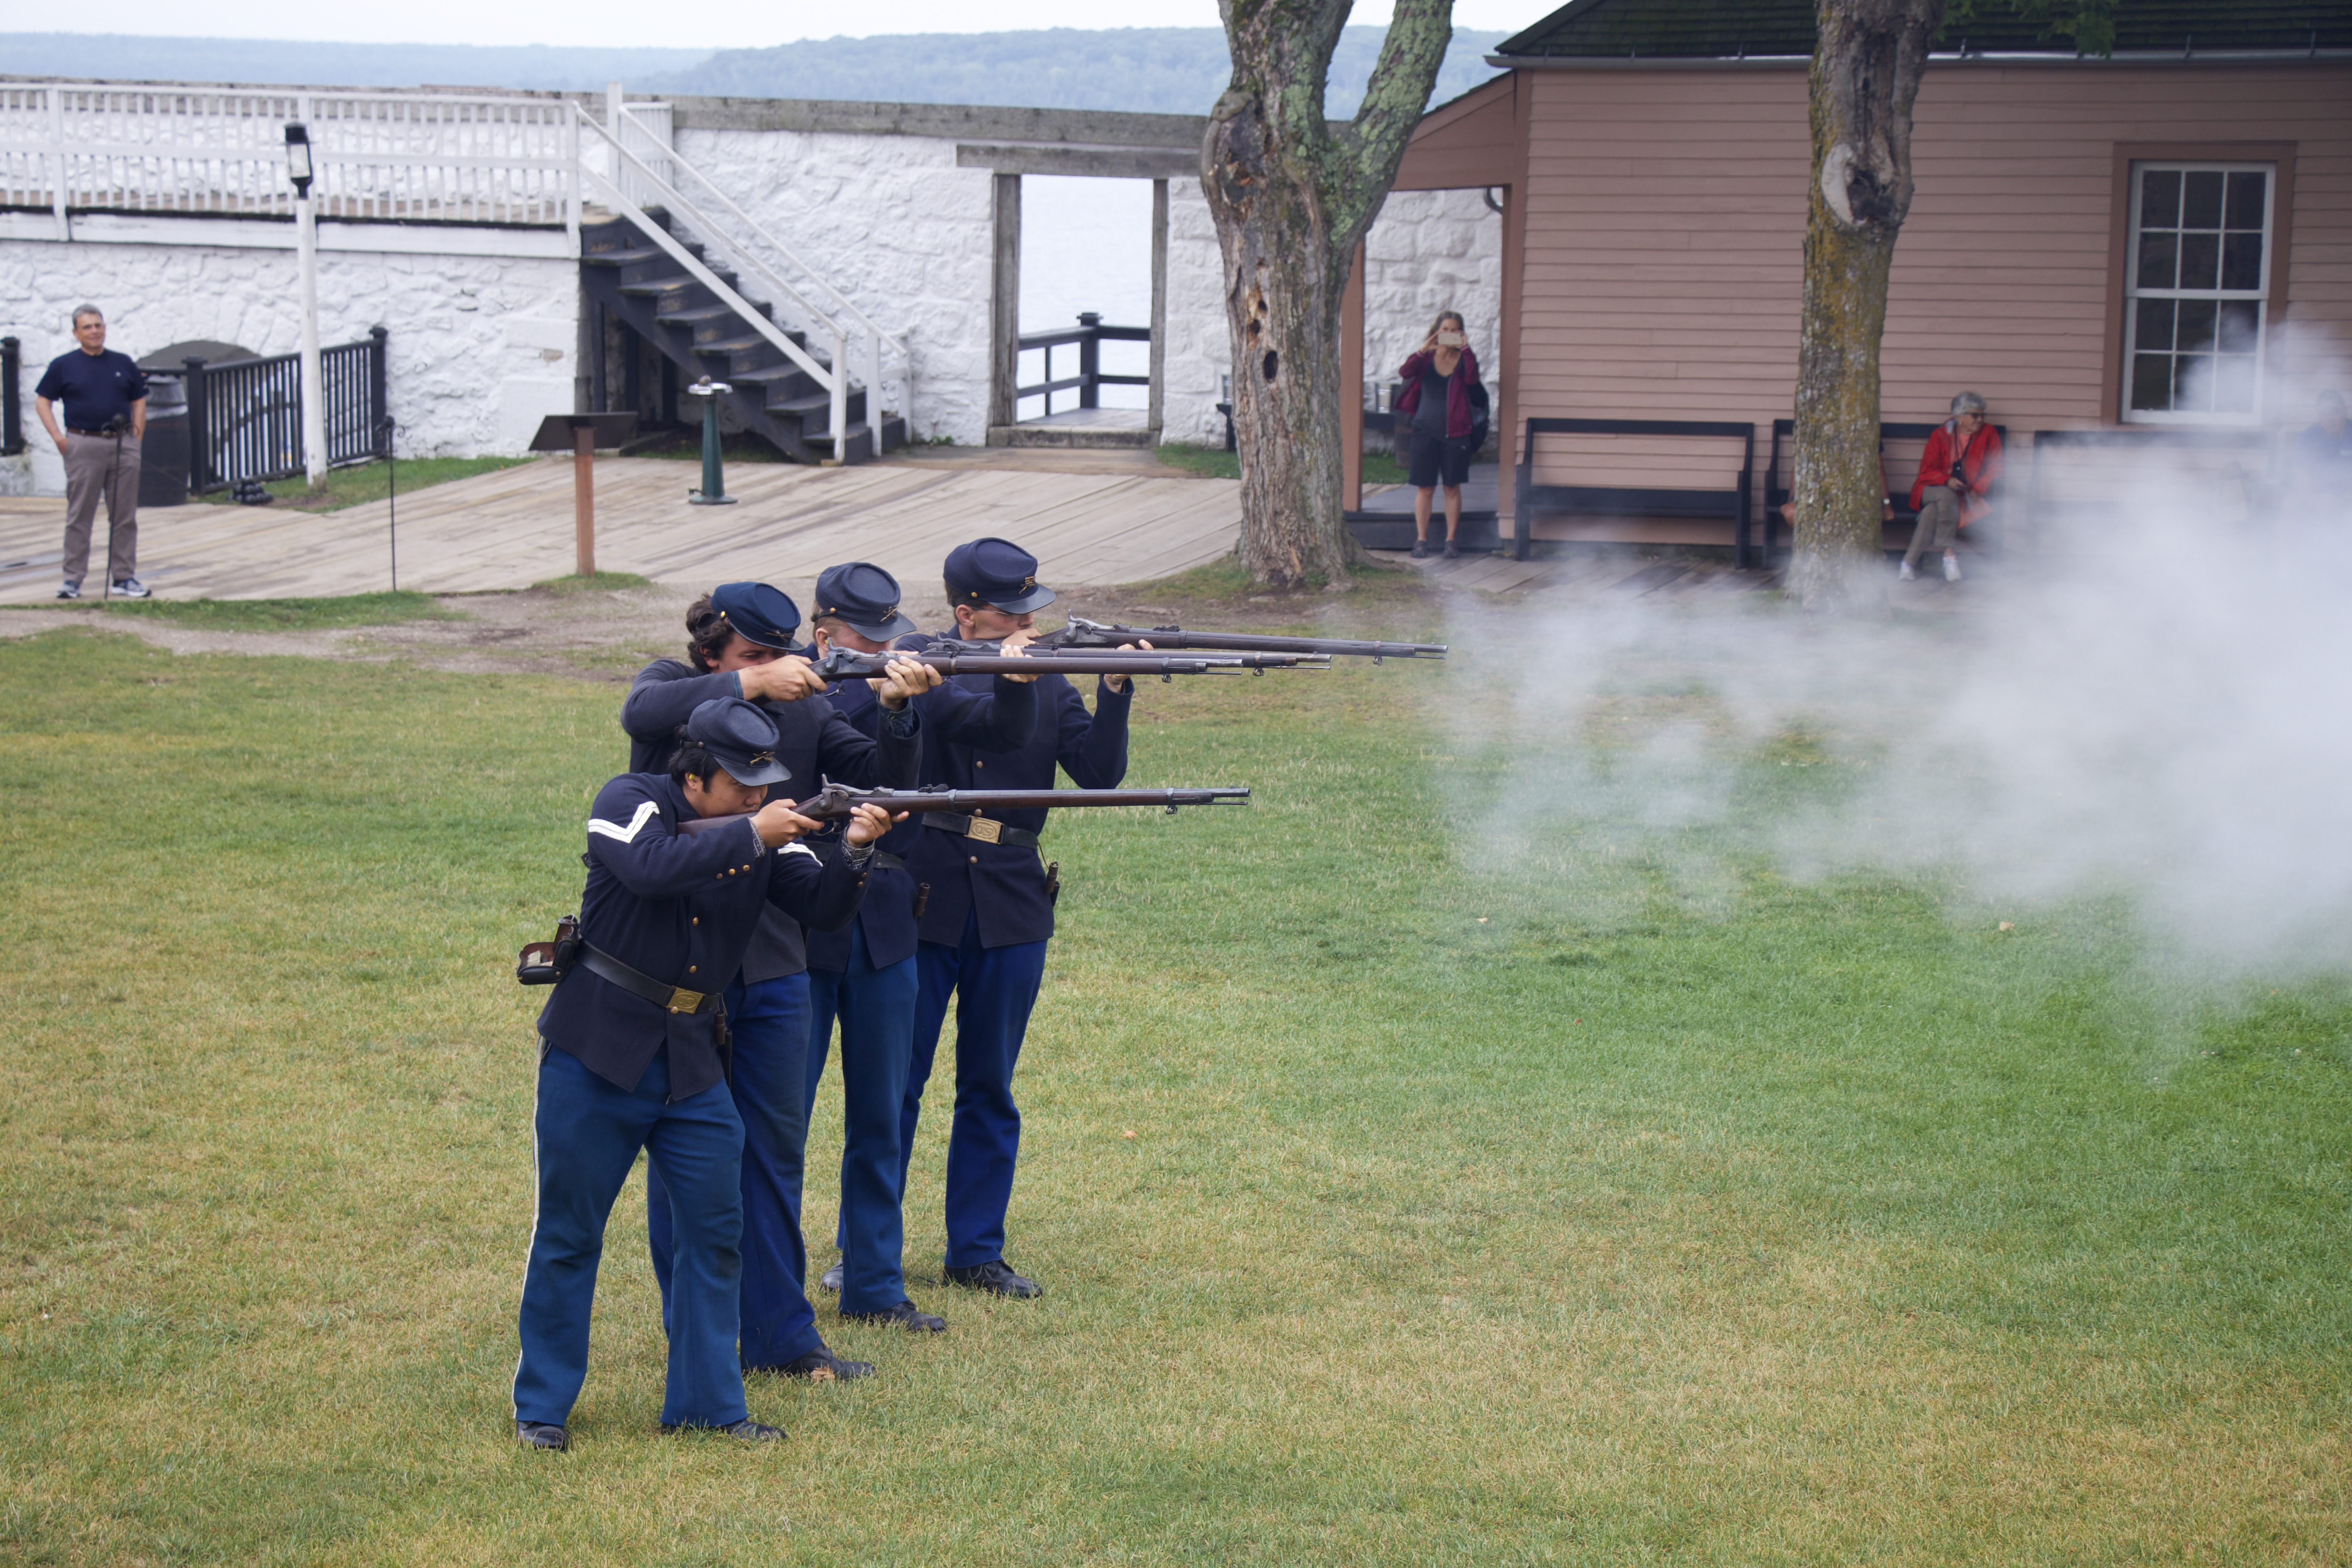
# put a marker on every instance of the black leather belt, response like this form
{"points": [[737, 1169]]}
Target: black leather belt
{"points": [[78, 430], [985, 829], [676, 998]]}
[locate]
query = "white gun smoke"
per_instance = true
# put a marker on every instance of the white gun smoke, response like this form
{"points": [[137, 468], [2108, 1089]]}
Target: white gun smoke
{"points": [[2164, 711]]}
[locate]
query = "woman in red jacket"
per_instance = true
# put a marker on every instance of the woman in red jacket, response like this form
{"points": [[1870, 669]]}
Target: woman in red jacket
{"points": [[1958, 468], [1443, 406]]}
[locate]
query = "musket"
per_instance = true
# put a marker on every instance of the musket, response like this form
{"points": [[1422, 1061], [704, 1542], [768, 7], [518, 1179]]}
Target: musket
{"points": [[1252, 659], [842, 664], [838, 800], [1081, 633]]}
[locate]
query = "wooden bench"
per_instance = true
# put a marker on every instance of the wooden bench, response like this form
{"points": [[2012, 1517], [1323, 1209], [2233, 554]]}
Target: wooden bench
{"points": [[1732, 504], [1898, 495]]}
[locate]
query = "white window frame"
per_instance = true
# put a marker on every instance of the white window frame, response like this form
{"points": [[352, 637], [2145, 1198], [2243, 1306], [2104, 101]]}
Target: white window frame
{"points": [[2258, 297]]}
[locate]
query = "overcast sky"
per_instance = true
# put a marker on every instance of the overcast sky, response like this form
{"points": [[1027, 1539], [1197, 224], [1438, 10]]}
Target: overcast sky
{"points": [[623, 22]]}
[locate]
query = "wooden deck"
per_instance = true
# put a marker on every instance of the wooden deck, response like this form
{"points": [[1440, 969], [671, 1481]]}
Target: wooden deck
{"points": [[513, 528]]}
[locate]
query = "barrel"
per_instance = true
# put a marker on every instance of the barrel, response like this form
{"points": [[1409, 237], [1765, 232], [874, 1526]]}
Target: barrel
{"points": [[163, 455]]}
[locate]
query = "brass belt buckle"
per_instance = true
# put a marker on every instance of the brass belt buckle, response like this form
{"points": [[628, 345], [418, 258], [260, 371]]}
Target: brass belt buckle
{"points": [[684, 1001], [987, 832]]}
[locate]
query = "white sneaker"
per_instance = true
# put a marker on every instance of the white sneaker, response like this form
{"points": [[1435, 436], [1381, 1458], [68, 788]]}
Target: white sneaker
{"points": [[1907, 574], [1951, 569], [132, 588], [69, 589]]}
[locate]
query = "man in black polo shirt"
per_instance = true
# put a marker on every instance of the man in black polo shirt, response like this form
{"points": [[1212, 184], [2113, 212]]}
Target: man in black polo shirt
{"points": [[104, 396]]}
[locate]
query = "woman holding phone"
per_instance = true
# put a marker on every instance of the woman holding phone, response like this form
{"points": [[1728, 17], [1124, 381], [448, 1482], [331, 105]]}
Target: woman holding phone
{"points": [[1445, 404]]}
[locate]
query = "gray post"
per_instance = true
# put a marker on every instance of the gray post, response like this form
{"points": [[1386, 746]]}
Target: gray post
{"points": [[1089, 362], [12, 415], [1158, 305], [1004, 310]]}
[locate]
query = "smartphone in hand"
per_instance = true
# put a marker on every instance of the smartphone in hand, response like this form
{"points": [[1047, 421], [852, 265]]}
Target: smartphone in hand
{"points": [[1453, 340]]}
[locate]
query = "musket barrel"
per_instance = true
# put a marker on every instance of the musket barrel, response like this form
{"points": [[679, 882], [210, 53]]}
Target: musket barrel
{"points": [[1235, 659], [1083, 633]]}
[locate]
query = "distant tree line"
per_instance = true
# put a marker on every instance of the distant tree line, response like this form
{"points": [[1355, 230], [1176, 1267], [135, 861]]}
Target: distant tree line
{"points": [[116, 57], [1158, 70]]}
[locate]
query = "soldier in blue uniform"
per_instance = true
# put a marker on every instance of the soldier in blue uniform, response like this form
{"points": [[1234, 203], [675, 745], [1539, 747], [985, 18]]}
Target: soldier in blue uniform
{"points": [[631, 1057], [739, 645], [865, 975], [983, 929]]}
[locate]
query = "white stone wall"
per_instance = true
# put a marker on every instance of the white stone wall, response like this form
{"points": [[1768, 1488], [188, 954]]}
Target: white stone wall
{"points": [[1431, 251], [482, 347], [895, 224], [1200, 349]]}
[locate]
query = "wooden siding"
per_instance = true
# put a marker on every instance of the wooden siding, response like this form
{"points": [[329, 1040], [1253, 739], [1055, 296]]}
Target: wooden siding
{"points": [[1665, 214], [1472, 140]]}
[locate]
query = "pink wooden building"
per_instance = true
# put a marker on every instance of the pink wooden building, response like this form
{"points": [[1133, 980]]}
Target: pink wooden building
{"points": [[2157, 241]]}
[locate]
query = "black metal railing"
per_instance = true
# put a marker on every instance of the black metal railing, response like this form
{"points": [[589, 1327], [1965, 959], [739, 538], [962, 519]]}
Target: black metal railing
{"points": [[1088, 336], [12, 408], [245, 417]]}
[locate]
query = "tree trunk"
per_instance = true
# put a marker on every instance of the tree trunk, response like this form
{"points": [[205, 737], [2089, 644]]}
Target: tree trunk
{"points": [[1865, 75], [1291, 198]]}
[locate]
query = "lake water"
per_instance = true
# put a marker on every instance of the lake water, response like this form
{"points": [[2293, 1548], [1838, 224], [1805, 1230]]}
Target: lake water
{"points": [[1085, 245]]}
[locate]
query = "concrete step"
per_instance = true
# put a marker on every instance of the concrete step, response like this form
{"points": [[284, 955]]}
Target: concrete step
{"points": [[1072, 436]]}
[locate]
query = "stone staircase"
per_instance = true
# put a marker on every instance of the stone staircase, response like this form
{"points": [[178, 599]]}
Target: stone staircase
{"points": [[644, 285]]}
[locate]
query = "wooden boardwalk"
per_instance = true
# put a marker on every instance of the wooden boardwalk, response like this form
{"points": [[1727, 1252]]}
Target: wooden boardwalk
{"points": [[513, 528]]}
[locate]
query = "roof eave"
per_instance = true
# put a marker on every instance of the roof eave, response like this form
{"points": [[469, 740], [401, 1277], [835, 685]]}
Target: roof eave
{"points": [[1783, 62]]}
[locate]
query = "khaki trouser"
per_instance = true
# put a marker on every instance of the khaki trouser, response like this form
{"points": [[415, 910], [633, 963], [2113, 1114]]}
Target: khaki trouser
{"points": [[102, 468], [1940, 523]]}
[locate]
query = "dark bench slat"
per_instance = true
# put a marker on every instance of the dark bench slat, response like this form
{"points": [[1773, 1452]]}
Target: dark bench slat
{"points": [[1732, 505]]}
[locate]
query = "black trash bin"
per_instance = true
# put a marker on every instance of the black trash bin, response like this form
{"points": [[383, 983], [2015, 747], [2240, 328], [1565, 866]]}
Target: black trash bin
{"points": [[163, 455]]}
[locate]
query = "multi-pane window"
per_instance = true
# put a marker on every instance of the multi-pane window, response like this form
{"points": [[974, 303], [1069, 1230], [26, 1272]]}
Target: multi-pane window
{"points": [[2195, 296]]}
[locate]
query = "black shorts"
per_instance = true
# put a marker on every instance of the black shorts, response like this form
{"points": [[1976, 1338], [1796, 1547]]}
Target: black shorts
{"points": [[1440, 459]]}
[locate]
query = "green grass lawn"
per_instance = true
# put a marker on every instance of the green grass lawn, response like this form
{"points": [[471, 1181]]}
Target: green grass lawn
{"points": [[1486, 1202], [370, 481]]}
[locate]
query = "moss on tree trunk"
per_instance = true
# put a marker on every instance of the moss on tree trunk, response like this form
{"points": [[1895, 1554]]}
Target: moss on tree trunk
{"points": [[1291, 196], [1865, 75]]}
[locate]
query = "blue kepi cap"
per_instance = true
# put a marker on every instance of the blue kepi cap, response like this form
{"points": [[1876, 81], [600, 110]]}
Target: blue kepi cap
{"points": [[757, 613], [741, 737], [862, 597], [996, 573]]}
